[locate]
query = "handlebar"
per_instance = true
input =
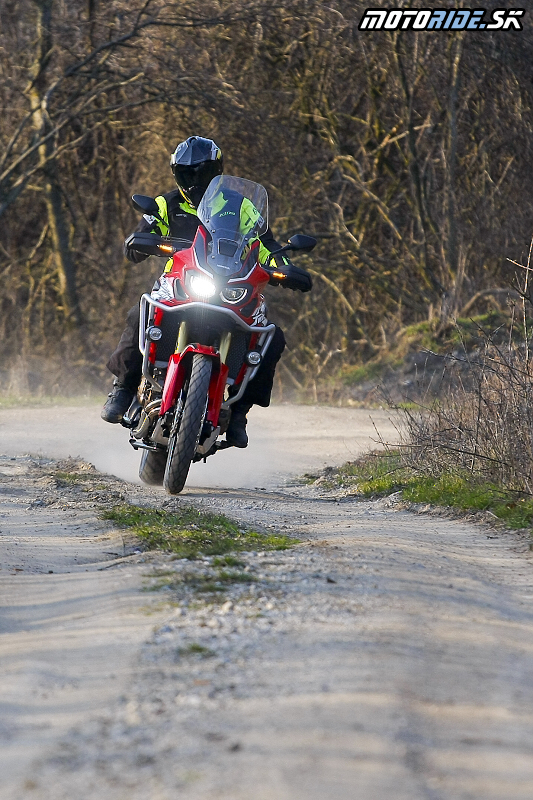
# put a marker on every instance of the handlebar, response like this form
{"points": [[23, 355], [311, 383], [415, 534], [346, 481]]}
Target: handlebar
{"points": [[150, 244]]}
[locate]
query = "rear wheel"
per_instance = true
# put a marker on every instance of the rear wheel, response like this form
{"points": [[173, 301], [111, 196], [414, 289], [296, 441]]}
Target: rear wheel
{"points": [[182, 445], [152, 468]]}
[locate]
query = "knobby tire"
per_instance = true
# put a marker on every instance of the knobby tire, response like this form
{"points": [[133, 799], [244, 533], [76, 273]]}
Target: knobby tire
{"points": [[182, 445], [152, 467]]}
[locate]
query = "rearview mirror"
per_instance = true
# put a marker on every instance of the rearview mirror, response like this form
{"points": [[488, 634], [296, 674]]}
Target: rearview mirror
{"points": [[302, 242], [146, 205]]}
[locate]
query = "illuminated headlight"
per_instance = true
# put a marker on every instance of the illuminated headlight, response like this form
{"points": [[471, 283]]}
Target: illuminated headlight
{"points": [[202, 287], [233, 295]]}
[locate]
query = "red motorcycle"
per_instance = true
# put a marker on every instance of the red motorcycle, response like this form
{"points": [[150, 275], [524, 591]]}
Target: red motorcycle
{"points": [[203, 329]]}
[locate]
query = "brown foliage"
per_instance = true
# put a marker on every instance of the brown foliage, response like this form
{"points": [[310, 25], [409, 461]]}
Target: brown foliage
{"points": [[483, 421], [484, 424], [405, 153]]}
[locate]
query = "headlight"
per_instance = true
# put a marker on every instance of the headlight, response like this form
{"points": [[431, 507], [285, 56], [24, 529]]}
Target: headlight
{"points": [[202, 287], [233, 295]]}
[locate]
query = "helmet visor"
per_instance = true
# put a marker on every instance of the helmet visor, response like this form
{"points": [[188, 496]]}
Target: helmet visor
{"points": [[194, 180]]}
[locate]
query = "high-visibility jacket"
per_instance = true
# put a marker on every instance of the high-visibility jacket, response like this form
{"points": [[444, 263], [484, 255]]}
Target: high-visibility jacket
{"points": [[181, 221]]}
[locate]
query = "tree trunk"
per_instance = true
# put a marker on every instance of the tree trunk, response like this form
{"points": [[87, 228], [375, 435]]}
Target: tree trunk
{"points": [[57, 220], [451, 302], [414, 167]]}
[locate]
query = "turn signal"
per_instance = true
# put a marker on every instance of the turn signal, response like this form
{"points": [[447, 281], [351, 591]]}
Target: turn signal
{"points": [[166, 248], [279, 275]]}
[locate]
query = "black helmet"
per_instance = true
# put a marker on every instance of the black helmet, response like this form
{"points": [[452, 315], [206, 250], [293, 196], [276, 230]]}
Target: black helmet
{"points": [[195, 162]]}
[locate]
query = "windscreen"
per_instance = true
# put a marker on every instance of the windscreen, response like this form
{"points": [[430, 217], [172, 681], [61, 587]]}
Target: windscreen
{"points": [[235, 212]]}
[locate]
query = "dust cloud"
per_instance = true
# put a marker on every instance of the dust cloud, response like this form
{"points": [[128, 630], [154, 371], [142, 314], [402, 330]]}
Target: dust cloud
{"points": [[285, 440]]}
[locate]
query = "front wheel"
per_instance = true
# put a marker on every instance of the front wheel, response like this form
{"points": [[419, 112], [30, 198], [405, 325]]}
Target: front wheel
{"points": [[182, 444]]}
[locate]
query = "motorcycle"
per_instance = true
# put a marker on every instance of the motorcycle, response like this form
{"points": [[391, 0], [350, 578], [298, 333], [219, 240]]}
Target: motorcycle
{"points": [[203, 330]]}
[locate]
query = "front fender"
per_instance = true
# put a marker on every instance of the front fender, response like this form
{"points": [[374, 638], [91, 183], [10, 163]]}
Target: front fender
{"points": [[178, 367]]}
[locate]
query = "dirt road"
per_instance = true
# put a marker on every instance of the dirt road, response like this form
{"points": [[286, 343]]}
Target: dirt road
{"points": [[387, 655], [285, 440]]}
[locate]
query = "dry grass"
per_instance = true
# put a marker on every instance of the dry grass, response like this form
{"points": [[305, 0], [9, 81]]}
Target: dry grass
{"points": [[485, 427], [483, 422]]}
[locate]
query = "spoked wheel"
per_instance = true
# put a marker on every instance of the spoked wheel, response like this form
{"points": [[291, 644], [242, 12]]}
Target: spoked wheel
{"points": [[152, 468], [182, 445]]}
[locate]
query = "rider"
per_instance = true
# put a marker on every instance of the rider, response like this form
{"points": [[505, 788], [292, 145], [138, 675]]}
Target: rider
{"points": [[195, 162]]}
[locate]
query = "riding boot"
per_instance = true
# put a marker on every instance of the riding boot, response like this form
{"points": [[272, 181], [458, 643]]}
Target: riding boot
{"points": [[236, 432], [117, 403]]}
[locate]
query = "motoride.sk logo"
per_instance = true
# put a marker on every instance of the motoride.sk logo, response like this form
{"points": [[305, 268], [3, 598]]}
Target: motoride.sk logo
{"points": [[441, 19]]}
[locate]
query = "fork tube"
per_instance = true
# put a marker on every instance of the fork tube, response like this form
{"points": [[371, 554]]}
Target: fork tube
{"points": [[225, 341], [182, 338]]}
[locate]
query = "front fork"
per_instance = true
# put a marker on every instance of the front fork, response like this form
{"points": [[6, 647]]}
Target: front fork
{"points": [[176, 375], [218, 408]]}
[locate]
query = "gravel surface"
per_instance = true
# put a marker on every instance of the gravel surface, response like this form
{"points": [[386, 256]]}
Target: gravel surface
{"points": [[387, 654]]}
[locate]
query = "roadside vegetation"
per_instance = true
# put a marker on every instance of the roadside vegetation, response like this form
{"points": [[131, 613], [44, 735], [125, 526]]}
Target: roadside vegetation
{"points": [[466, 440], [210, 558], [463, 333], [386, 473], [209, 581], [189, 533]]}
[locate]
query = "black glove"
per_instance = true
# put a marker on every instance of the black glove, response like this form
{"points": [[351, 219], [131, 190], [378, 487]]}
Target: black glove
{"points": [[297, 278], [130, 252], [141, 244]]}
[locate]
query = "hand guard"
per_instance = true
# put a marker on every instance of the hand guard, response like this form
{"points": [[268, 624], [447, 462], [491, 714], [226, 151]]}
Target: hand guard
{"points": [[144, 244], [127, 245], [291, 277], [297, 278]]}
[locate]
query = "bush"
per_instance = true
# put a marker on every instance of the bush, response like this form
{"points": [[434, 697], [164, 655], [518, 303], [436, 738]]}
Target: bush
{"points": [[483, 422]]}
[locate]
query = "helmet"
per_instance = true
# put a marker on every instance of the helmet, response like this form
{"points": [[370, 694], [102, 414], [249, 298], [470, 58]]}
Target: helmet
{"points": [[195, 162]]}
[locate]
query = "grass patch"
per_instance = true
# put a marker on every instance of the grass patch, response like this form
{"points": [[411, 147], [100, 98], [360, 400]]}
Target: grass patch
{"points": [[380, 475], [189, 533], [195, 649], [225, 576], [375, 475], [307, 479], [371, 371], [216, 581], [228, 561], [467, 332], [73, 477]]}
